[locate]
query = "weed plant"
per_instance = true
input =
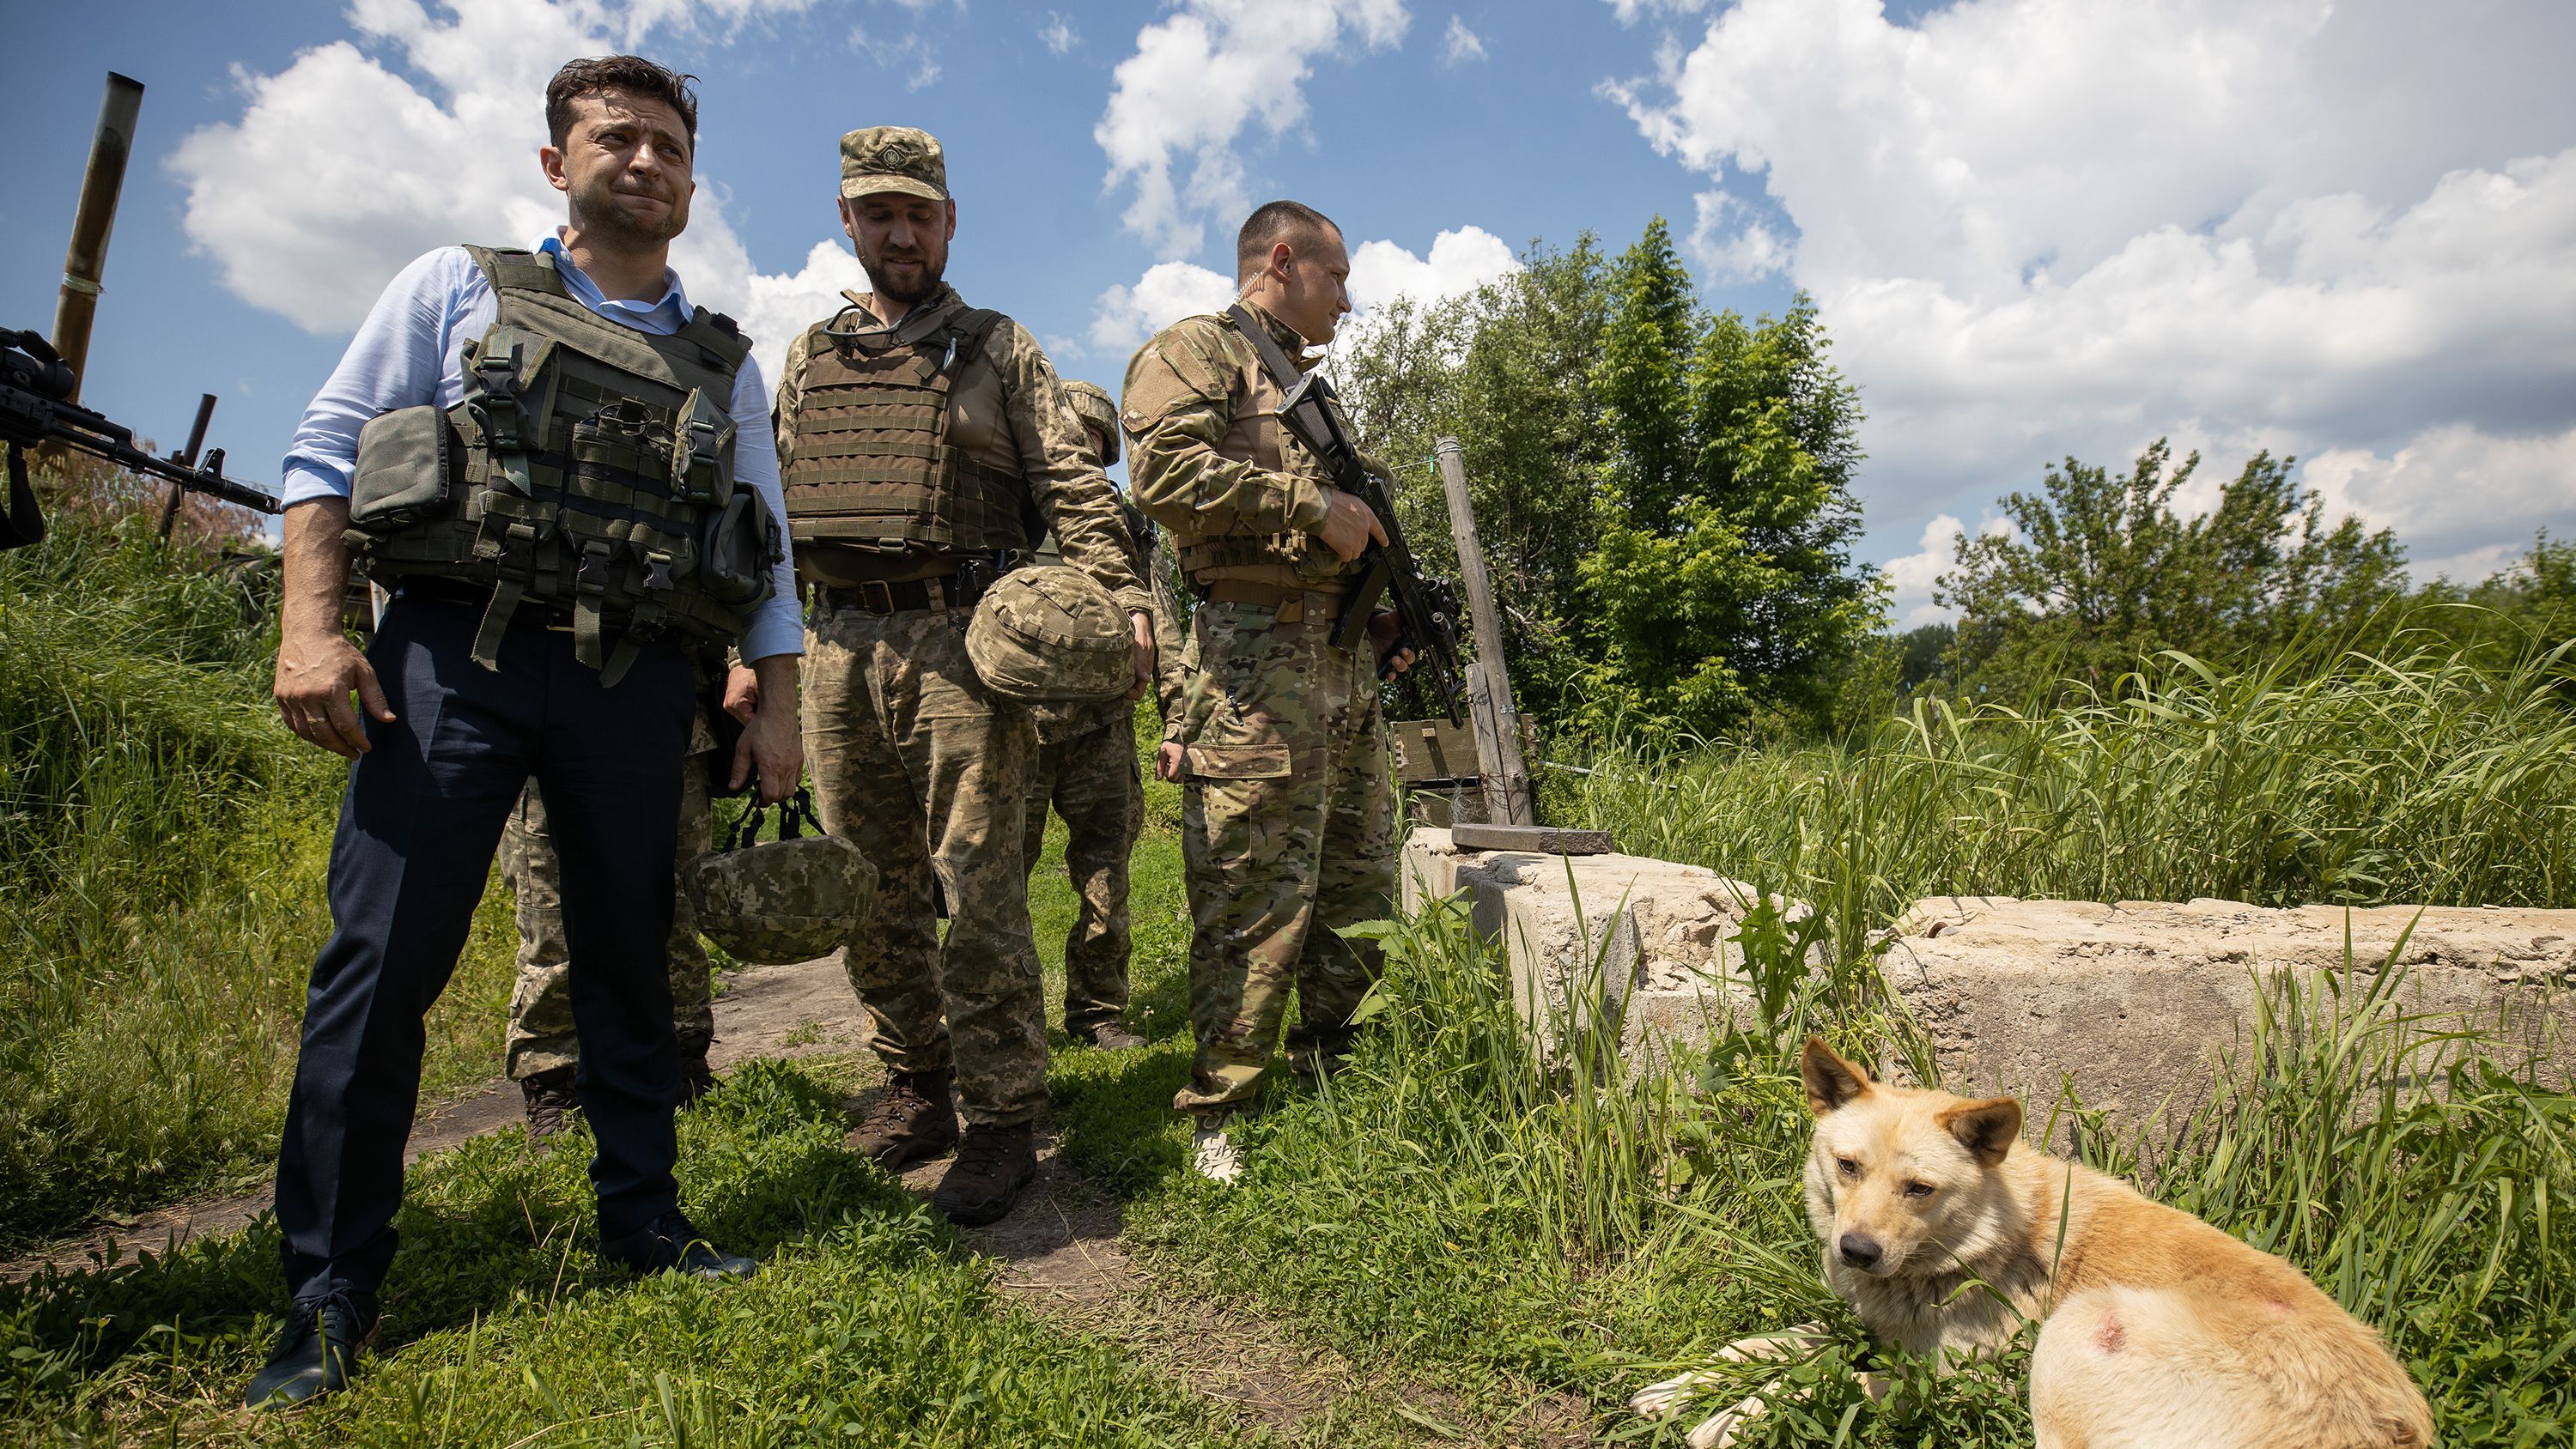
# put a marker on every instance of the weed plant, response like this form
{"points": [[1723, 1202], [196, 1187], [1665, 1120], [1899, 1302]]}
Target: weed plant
{"points": [[2422, 778], [163, 843]]}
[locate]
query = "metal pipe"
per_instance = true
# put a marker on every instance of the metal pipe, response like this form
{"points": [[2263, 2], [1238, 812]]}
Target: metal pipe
{"points": [[187, 458], [86, 259]]}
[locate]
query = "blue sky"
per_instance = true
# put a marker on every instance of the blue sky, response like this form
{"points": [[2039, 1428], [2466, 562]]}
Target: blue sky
{"points": [[2035, 226]]}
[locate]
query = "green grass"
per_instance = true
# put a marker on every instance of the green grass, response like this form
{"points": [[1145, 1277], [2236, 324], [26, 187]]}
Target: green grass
{"points": [[2423, 779], [163, 842], [501, 1323]]}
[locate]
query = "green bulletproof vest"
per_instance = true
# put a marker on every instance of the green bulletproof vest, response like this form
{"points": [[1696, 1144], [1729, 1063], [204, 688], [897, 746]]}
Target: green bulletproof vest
{"points": [[870, 462], [588, 465]]}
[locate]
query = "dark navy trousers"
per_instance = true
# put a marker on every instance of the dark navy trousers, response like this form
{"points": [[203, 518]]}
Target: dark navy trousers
{"points": [[418, 826]]}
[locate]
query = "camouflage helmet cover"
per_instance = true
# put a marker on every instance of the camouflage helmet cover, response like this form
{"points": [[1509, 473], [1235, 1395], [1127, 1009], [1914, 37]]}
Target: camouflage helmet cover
{"points": [[789, 900], [893, 158], [1091, 403], [1051, 635]]}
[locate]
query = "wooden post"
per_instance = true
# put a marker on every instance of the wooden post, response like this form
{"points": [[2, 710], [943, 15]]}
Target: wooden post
{"points": [[86, 260], [1489, 684]]}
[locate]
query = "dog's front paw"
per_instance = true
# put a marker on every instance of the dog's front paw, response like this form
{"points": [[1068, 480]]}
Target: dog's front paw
{"points": [[1718, 1431], [1656, 1400]]}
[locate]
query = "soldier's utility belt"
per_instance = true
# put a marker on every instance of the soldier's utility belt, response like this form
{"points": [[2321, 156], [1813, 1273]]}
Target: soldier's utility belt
{"points": [[557, 617], [957, 590], [1293, 601]]}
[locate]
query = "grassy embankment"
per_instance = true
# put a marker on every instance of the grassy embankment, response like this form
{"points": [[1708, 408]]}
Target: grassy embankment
{"points": [[163, 842]]}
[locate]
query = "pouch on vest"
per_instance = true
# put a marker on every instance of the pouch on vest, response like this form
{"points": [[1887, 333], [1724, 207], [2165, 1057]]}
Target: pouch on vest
{"points": [[510, 391], [701, 441], [407, 467], [735, 557]]}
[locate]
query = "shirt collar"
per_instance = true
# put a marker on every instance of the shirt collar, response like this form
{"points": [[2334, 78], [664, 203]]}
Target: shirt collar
{"points": [[1290, 340], [673, 306]]}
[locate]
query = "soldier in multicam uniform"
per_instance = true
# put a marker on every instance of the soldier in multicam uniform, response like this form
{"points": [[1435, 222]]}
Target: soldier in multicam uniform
{"points": [[1287, 821], [540, 1051], [1086, 769], [925, 444]]}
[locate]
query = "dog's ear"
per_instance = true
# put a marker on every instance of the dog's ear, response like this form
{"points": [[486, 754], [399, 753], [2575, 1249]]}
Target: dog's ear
{"points": [[1986, 1128], [1831, 1081]]}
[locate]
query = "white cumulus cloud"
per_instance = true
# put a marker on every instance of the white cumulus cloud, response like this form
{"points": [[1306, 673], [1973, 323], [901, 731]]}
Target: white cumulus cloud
{"points": [[2040, 227], [1167, 292], [1458, 44], [339, 169], [1179, 104]]}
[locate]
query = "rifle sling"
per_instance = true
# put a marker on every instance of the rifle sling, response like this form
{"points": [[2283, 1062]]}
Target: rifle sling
{"points": [[1362, 601]]}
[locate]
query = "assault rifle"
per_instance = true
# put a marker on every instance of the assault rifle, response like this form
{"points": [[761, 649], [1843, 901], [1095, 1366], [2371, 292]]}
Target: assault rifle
{"points": [[35, 407], [1426, 608]]}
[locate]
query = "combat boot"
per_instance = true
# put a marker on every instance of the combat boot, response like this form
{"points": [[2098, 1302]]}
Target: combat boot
{"points": [[550, 1101], [994, 1166], [915, 1121], [1109, 1036]]}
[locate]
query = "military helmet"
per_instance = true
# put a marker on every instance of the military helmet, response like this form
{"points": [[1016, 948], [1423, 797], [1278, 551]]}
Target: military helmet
{"points": [[1051, 635], [1091, 401], [791, 899]]}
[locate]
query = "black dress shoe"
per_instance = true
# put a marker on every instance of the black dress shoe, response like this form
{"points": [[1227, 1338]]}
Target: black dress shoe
{"points": [[316, 1352], [670, 1244]]}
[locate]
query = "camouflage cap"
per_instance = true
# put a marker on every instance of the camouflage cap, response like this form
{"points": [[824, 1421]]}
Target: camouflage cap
{"points": [[1091, 402], [893, 158]]}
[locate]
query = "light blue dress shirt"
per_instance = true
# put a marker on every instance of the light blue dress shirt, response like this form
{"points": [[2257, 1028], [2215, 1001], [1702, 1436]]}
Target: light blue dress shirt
{"points": [[411, 350]]}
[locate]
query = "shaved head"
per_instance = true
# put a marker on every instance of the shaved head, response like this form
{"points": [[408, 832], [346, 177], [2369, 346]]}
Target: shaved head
{"points": [[1302, 227]]}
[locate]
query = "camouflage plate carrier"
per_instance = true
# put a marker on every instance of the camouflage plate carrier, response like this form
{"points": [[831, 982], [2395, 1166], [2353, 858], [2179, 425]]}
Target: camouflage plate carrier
{"points": [[872, 465], [588, 465]]}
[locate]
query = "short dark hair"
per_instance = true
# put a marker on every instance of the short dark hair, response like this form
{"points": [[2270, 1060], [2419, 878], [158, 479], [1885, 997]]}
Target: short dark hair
{"points": [[632, 74], [1272, 223]]}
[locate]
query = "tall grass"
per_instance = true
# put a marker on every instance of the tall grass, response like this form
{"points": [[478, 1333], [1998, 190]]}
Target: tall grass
{"points": [[2423, 778], [162, 849]]}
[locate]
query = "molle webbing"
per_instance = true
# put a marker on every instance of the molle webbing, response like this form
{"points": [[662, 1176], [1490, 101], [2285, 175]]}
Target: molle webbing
{"points": [[870, 458], [597, 464]]}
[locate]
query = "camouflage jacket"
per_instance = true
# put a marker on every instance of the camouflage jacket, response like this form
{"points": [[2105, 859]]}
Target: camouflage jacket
{"points": [[1207, 460], [1014, 414]]}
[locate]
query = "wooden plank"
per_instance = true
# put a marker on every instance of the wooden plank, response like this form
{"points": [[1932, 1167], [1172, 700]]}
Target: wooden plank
{"points": [[1537, 839], [1489, 685]]}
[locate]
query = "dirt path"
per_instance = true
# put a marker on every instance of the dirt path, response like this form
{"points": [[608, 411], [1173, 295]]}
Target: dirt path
{"points": [[765, 1011], [1059, 1253]]}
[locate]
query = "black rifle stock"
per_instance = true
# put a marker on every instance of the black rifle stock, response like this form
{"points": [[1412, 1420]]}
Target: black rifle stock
{"points": [[34, 388], [1426, 609]]}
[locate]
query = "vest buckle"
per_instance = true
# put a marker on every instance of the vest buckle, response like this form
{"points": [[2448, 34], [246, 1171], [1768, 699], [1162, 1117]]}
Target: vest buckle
{"points": [[876, 596]]}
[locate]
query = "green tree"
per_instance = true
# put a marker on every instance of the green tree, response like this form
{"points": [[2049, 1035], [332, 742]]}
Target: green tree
{"points": [[1719, 592], [2101, 572]]}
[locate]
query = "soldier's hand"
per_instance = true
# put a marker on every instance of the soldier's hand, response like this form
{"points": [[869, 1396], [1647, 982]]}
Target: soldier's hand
{"points": [[1391, 661], [1167, 761], [317, 671], [742, 692], [1350, 527], [1143, 625]]}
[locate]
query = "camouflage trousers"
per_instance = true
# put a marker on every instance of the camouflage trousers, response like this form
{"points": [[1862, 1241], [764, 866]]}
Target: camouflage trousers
{"points": [[540, 1036], [1288, 828], [1092, 781], [928, 774]]}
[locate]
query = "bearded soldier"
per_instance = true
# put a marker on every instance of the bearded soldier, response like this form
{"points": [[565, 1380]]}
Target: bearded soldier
{"points": [[1287, 817], [561, 468], [925, 446], [1086, 769]]}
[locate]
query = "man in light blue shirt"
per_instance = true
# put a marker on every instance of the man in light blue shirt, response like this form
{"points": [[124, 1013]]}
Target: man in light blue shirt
{"points": [[468, 695]]}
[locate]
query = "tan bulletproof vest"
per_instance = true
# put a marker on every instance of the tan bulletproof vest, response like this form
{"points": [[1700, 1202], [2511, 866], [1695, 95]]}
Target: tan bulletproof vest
{"points": [[873, 461], [1256, 437]]}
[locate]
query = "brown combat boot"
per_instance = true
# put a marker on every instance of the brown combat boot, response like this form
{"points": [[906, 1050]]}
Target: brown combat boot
{"points": [[1109, 1036], [915, 1121], [994, 1166], [550, 1101]]}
